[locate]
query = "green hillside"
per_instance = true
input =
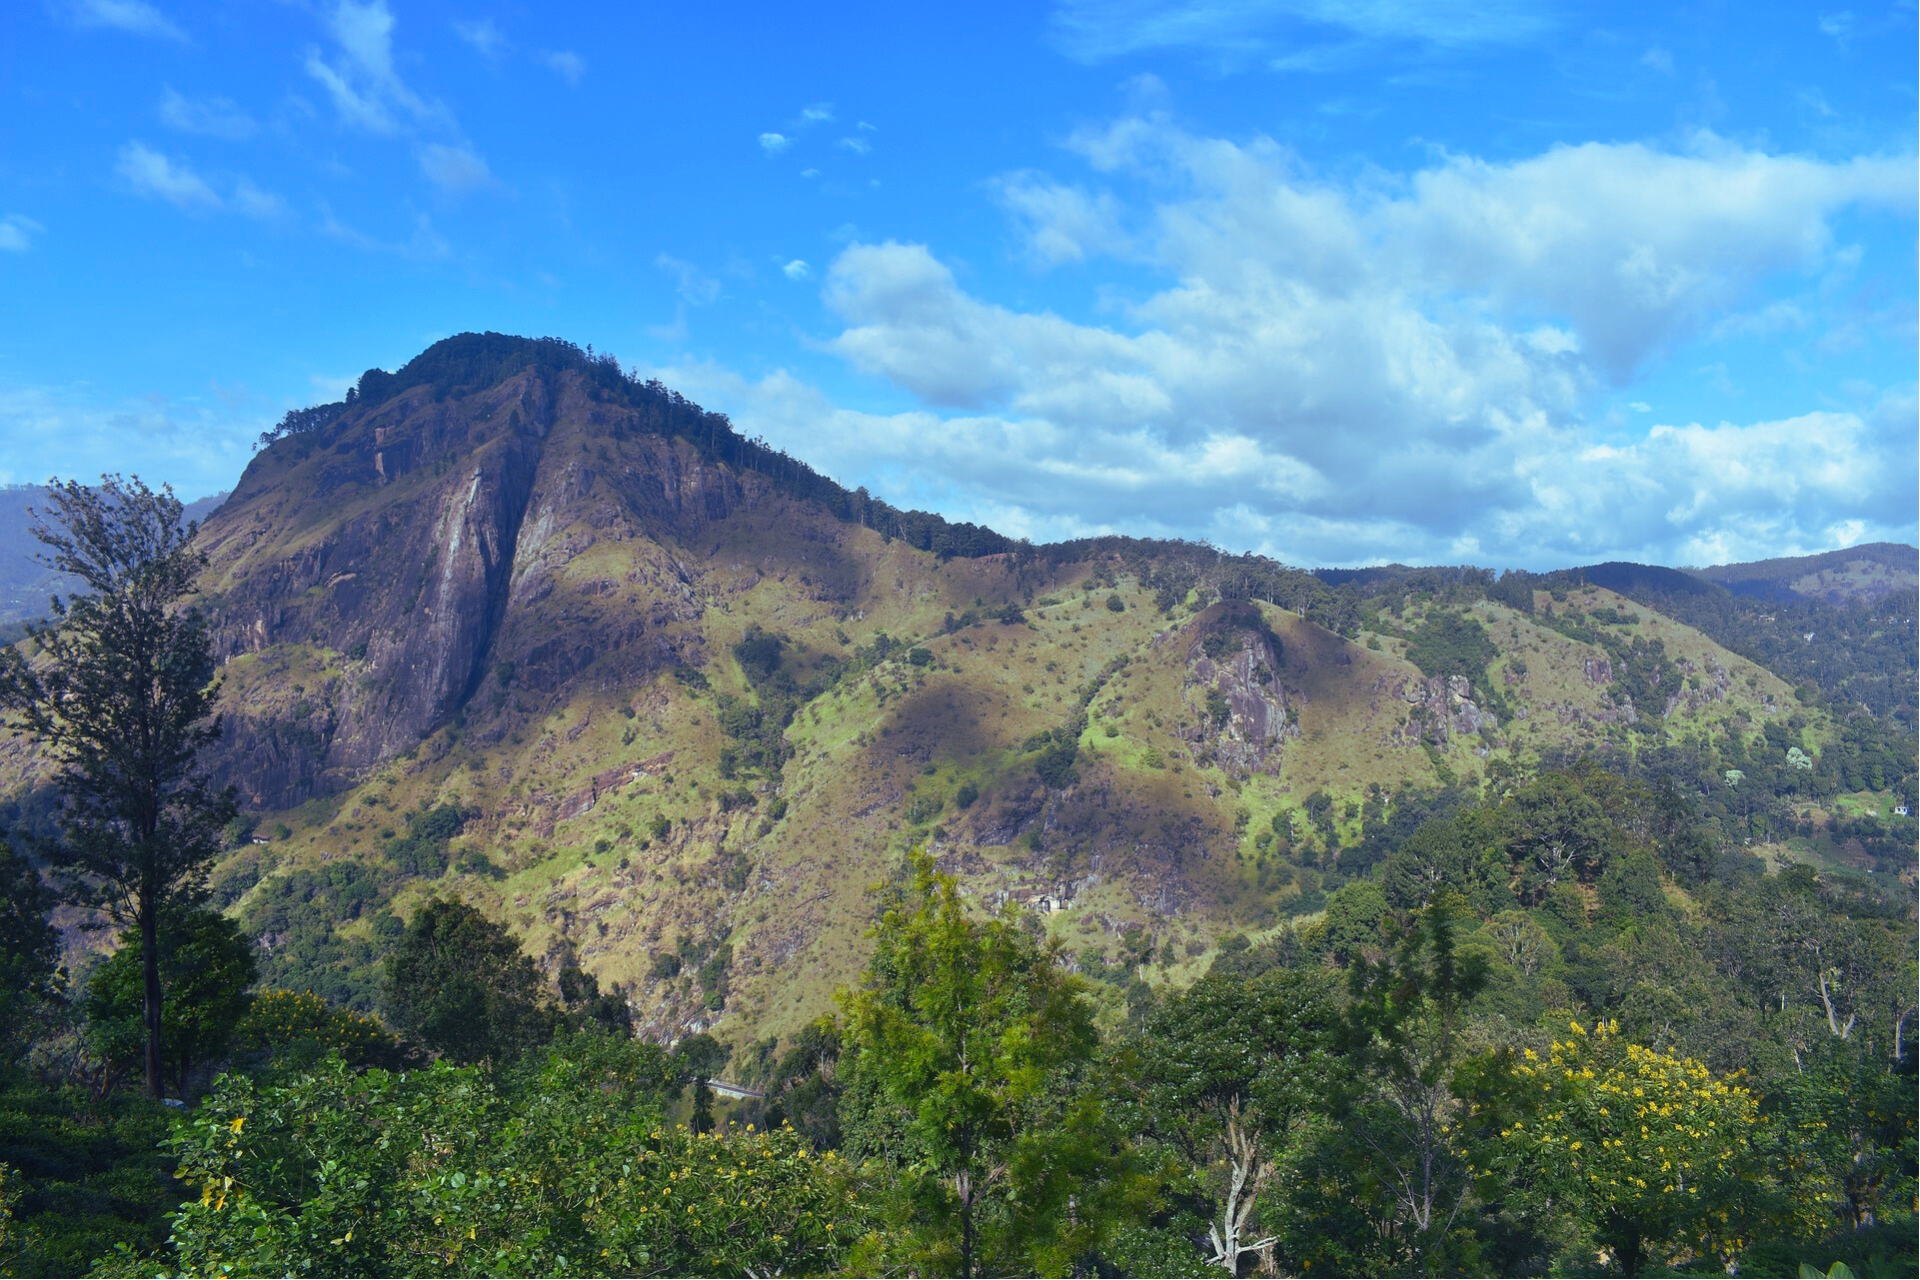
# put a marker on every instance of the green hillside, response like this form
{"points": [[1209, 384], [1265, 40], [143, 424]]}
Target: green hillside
{"points": [[509, 627]]}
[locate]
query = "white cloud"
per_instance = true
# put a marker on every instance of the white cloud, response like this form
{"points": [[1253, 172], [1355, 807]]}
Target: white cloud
{"points": [[1658, 59], [1240, 30], [774, 143], [797, 270], [816, 113], [569, 66], [200, 445], [1062, 223], [692, 284], [426, 244], [150, 173], [255, 203], [17, 232], [366, 91], [1345, 371], [486, 38], [210, 117], [454, 169], [858, 146], [134, 17]]}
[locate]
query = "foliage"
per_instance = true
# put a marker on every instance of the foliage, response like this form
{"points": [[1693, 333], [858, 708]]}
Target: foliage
{"points": [[1231, 1073], [1400, 1148], [1665, 1164], [88, 1175], [29, 947], [460, 984], [121, 697], [561, 1166], [1451, 644], [298, 1028], [959, 1032], [206, 969]]}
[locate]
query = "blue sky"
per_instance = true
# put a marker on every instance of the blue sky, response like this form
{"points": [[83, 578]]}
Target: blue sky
{"points": [[1505, 283]]}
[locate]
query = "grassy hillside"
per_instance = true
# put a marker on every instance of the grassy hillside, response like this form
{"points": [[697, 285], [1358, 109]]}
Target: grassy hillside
{"points": [[567, 649]]}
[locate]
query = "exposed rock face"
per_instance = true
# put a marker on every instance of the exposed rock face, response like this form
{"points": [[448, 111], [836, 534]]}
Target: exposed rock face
{"points": [[1443, 708], [409, 543], [1236, 657], [1702, 688]]}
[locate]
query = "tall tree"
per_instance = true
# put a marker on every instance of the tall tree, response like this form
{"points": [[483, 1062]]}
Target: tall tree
{"points": [[1405, 1034], [119, 691], [959, 1028], [1229, 1070], [206, 968]]}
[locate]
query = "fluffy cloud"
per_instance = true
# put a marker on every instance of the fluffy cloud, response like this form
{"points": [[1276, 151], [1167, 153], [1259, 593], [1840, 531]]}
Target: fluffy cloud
{"points": [[1062, 223], [1402, 369], [151, 174], [569, 66], [774, 143], [1241, 30], [486, 38], [366, 90], [454, 169], [200, 445]]}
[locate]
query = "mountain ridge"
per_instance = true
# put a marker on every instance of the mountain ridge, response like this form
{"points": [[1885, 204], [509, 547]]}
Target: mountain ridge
{"points": [[528, 642]]}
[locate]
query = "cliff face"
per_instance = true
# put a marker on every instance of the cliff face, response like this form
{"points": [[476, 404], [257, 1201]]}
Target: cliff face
{"points": [[418, 544]]}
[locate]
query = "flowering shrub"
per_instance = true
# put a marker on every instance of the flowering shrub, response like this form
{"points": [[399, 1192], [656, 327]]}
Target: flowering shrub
{"points": [[283, 1020], [1667, 1162]]}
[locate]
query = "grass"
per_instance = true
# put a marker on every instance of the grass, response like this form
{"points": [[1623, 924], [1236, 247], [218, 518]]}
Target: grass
{"points": [[1148, 833]]}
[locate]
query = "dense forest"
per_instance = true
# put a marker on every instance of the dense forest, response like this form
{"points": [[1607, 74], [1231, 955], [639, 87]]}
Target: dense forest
{"points": [[1558, 1028]]}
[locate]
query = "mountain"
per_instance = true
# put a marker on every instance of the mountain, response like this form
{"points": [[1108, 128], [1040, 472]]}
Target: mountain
{"points": [[508, 625], [1865, 572]]}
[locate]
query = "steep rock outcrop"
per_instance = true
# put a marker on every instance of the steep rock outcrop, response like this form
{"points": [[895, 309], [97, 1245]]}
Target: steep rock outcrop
{"points": [[427, 549]]}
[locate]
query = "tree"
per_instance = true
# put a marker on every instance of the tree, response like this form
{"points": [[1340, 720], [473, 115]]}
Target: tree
{"points": [[1560, 831], [958, 1030], [700, 1057], [206, 968], [29, 947], [120, 694], [460, 984], [1660, 1158], [559, 1165], [1405, 1039], [1230, 1070]]}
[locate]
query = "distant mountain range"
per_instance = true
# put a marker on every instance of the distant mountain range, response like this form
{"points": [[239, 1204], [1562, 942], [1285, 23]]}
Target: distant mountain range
{"points": [[509, 625], [26, 583]]}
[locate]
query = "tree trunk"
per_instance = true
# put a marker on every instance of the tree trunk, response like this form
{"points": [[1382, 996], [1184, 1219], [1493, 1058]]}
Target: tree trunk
{"points": [[963, 1182], [150, 965]]}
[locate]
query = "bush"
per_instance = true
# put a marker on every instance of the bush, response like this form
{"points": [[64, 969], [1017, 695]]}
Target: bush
{"points": [[299, 1028], [563, 1166]]}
